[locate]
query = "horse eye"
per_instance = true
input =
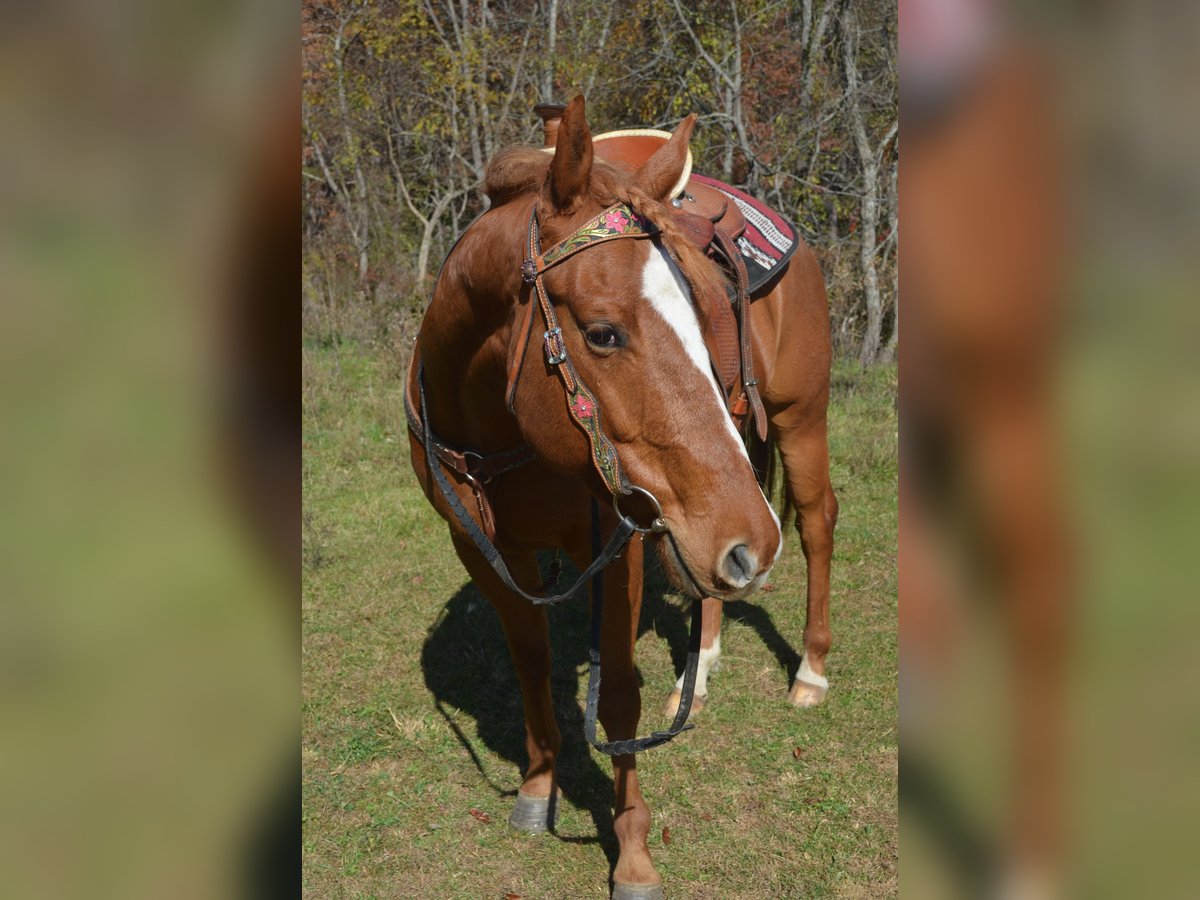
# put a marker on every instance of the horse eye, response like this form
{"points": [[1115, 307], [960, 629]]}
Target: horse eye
{"points": [[602, 336]]}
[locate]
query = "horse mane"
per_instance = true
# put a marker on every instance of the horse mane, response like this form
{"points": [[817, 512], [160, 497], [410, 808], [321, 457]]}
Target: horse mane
{"points": [[515, 171], [520, 170]]}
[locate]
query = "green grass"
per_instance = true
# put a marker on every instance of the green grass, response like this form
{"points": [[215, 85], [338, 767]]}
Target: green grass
{"points": [[412, 716]]}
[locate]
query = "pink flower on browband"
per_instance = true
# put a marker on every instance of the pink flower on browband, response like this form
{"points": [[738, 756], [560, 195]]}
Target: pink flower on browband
{"points": [[583, 406], [615, 220]]}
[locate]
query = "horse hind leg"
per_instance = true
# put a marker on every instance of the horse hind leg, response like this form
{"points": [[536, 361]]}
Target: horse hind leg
{"points": [[527, 633], [806, 464], [710, 659]]}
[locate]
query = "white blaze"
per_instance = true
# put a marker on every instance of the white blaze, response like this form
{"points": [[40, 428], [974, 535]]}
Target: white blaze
{"points": [[669, 301]]}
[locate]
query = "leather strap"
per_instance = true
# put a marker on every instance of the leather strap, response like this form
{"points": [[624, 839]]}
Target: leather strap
{"points": [[625, 530], [616, 222], [591, 708], [581, 402], [477, 469], [516, 353], [733, 257]]}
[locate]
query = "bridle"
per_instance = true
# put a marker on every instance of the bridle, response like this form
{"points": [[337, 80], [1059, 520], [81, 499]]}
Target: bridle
{"points": [[617, 222], [614, 223]]}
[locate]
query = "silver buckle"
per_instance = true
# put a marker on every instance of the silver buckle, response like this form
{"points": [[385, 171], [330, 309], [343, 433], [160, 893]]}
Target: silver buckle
{"points": [[556, 350], [468, 456]]}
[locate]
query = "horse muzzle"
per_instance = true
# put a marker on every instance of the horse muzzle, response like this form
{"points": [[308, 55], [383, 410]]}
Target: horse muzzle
{"points": [[736, 574]]}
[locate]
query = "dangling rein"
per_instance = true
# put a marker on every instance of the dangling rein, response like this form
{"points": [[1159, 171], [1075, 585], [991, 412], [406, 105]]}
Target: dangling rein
{"points": [[617, 222]]}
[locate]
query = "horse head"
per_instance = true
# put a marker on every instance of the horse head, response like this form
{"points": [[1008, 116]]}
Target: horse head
{"points": [[632, 319]]}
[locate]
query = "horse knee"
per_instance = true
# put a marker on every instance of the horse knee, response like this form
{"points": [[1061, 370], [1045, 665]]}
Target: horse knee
{"points": [[619, 708], [816, 536], [831, 509], [817, 515]]}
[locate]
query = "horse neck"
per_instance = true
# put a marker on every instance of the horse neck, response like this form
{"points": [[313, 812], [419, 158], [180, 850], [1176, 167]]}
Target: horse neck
{"points": [[464, 338]]}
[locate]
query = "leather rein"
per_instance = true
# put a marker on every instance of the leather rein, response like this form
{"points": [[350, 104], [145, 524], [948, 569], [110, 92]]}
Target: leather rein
{"points": [[617, 222]]}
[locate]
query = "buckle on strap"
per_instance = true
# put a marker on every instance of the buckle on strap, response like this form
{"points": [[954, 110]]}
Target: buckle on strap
{"points": [[556, 350], [529, 271]]}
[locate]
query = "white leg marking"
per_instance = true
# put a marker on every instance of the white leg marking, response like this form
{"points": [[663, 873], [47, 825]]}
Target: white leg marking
{"points": [[709, 658], [808, 676], [669, 301]]}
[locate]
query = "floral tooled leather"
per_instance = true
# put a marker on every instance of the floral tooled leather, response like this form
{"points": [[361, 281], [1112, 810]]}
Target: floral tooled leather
{"points": [[615, 222]]}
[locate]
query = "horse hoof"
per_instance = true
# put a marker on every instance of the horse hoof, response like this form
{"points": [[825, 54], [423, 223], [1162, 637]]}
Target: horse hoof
{"points": [[805, 695], [637, 892], [534, 815], [672, 705]]}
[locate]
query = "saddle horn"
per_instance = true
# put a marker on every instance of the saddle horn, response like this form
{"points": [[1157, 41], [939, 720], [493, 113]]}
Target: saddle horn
{"points": [[551, 115]]}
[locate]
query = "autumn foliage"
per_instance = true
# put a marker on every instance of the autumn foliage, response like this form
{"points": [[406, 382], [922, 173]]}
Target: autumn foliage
{"points": [[406, 100]]}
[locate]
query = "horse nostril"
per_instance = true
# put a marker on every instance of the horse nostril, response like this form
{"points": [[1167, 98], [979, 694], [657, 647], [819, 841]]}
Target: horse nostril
{"points": [[740, 566]]}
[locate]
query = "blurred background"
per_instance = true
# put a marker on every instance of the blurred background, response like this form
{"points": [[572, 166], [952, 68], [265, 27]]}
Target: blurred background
{"points": [[1048, 448], [149, 461], [149, 365]]}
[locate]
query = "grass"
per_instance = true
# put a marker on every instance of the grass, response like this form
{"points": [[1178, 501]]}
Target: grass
{"points": [[412, 717]]}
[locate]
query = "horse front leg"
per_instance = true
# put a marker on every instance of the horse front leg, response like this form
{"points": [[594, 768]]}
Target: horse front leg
{"points": [[710, 659], [525, 629], [620, 708]]}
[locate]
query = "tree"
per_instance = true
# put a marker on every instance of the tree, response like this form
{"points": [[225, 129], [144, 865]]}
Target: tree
{"points": [[406, 101], [871, 159]]}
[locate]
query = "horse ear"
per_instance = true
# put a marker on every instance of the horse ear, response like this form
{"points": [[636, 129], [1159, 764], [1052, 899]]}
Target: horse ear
{"points": [[661, 171], [572, 164]]}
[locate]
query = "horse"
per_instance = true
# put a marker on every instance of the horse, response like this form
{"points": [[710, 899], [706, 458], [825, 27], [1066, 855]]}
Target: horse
{"points": [[619, 426]]}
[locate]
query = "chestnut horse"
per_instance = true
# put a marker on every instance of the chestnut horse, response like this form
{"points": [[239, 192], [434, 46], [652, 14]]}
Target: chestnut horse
{"points": [[622, 414]]}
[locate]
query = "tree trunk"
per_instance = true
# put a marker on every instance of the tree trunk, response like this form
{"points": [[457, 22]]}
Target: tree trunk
{"points": [[548, 62], [889, 349], [868, 233], [357, 213], [869, 351]]}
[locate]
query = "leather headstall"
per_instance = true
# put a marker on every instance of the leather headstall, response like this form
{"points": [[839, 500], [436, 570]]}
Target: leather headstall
{"points": [[617, 222]]}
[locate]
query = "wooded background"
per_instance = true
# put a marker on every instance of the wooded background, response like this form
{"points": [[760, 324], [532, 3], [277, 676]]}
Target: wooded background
{"points": [[405, 101]]}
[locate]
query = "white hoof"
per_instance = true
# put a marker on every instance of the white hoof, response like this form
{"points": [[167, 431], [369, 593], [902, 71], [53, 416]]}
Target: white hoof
{"points": [[809, 688], [671, 707]]}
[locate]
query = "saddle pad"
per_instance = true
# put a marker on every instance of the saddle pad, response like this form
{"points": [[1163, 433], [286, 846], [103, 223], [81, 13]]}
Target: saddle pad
{"points": [[769, 239]]}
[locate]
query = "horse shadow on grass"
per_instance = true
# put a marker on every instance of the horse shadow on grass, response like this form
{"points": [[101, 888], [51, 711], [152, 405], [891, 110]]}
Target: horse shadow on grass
{"points": [[468, 671]]}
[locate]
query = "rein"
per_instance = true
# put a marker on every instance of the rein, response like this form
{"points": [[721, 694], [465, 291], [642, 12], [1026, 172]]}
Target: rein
{"points": [[616, 222]]}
